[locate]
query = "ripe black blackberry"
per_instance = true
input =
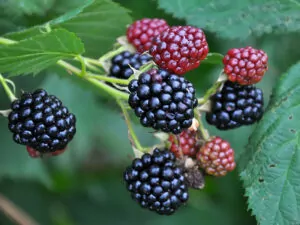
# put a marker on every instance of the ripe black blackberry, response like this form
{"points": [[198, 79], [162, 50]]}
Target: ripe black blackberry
{"points": [[163, 101], [156, 183], [120, 64], [236, 105], [40, 121]]}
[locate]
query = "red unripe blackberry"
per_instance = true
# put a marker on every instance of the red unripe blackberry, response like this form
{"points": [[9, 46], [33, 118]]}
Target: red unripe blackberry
{"points": [[179, 49], [245, 65], [41, 122], [156, 183], [216, 157], [184, 144], [141, 32]]}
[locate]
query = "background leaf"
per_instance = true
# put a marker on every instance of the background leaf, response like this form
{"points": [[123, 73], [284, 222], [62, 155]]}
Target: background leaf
{"points": [[98, 23], [271, 166], [237, 19], [39, 52]]}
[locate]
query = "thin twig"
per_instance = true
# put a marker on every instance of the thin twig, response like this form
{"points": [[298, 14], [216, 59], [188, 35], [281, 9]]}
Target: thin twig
{"points": [[15, 213]]}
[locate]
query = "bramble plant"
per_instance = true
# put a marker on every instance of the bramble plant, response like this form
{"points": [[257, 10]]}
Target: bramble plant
{"points": [[144, 67]]}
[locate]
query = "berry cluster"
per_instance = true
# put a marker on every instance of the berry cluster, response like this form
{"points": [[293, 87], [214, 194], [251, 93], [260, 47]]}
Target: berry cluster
{"points": [[41, 122], [163, 101], [156, 183]]}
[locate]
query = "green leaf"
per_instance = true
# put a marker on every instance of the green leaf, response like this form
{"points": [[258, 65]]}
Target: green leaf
{"points": [[270, 166], [237, 19], [213, 58], [26, 7], [37, 53], [98, 23]]}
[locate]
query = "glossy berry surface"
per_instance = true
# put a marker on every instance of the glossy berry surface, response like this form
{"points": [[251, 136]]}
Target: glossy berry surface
{"points": [[120, 64], [163, 101], [179, 49], [216, 157], [156, 183], [141, 32], [184, 144], [235, 106], [245, 65], [41, 122]]}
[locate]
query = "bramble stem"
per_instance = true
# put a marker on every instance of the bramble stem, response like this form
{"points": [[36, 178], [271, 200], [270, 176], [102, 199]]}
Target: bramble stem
{"points": [[203, 131], [109, 55], [133, 135], [15, 213], [7, 90], [112, 91], [109, 79]]}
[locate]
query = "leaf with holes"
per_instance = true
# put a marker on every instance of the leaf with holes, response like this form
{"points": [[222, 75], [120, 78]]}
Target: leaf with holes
{"points": [[237, 19], [39, 52], [270, 166], [97, 22]]}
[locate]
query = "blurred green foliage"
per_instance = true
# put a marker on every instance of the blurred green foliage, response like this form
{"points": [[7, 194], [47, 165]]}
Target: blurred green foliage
{"points": [[84, 185]]}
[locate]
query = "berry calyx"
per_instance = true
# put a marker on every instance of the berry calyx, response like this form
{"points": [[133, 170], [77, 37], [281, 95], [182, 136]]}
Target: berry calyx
{"points": [[235, 105], [163, 101], [185, 144], [156, 183], [216, 157], [245, 65], [121, 63], [36, 154], [141, 32], [41, 122], [179, 49]]}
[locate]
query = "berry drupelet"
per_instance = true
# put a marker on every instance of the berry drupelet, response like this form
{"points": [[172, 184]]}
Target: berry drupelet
{"points": [[235, 105], [245, 65], [179, 49], [141, 32], [184, 144], [120, 64], [41, 122], [216, 157], [156, 183], [163, 101]]}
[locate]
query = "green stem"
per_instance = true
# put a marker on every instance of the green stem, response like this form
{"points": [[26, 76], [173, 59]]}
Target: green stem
{"points": [[111, 54], [133, 135], [7, 90], [112, 91], [110, 79], [209, 93], [203, 131]]}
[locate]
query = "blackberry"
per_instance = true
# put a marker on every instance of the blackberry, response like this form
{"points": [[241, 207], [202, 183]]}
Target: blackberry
{"points": [[236, 105], [216, 157], [41, 122], [245, 66], [179, 49], [120, 64], [185, 144], [141, 32], [163, 101], [156, 183]]}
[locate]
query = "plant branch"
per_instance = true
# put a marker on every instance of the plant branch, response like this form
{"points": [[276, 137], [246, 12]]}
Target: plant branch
{"points": [[112, 91], [15, 213], [5, 41], [133, 135], [7, 90]]}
